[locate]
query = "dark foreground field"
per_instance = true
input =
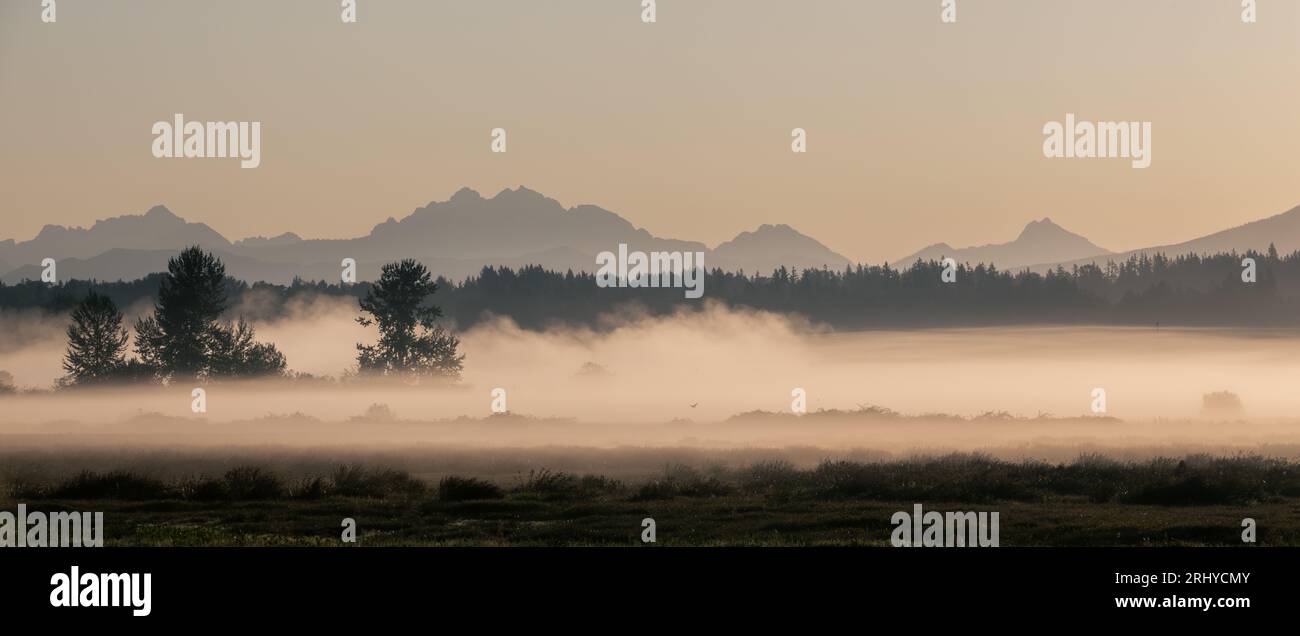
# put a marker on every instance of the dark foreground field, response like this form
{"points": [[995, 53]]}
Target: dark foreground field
{"points": [[1093, 501], [735, 520]]}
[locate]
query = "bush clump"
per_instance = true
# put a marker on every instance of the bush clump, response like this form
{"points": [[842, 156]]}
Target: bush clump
{"points": [[454, 488], [682, 481], [356, 481], [546, 484], [242, 483], [118, 484], [771, 477]]}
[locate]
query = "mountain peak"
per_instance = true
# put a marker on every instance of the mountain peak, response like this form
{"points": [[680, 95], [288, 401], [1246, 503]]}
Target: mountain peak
{"points": [[1039, 242], [771, 246], [466, 194], [1280, 230], [50, 230], [519, 192], [161, 212], [1042, 229], [777, 229]]}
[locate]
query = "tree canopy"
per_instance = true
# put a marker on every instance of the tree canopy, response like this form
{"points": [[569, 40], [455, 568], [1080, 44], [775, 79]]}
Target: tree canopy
{"points": [[411, 343]]}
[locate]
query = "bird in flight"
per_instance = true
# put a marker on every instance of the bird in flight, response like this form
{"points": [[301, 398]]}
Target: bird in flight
{"points": [[695, 405]]}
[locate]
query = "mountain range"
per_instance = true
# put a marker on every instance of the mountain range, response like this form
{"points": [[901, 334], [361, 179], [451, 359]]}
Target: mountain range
{"points": [[1280, 230], [517, 227], [1044, 245], [454, 238]]}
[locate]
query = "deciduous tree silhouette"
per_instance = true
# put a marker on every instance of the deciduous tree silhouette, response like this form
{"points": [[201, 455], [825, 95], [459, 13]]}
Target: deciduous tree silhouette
{"points": [[235, 354], [410, 341], [183, 338]]}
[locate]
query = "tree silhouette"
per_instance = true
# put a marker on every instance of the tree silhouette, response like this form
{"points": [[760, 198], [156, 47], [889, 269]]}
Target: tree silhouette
{"points": [[96, 341], [235, 354], [410, 342], [183, 338], [191, 296]]}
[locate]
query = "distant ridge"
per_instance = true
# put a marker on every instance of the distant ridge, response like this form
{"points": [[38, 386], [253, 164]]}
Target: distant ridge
{"points": [[454, 238], [773, 246], [1281, 230], [1039, 241]]}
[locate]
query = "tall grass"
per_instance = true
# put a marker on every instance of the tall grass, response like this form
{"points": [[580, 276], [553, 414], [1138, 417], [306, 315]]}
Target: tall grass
{"points": [[1191, 480]]}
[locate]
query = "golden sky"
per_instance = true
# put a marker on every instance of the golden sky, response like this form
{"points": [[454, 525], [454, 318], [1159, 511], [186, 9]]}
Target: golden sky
{"points": [[918, 131]]}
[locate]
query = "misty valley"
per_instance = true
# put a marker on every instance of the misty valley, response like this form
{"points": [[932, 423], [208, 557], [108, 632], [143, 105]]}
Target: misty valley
{"points": [[514, 279], [207, 393]]}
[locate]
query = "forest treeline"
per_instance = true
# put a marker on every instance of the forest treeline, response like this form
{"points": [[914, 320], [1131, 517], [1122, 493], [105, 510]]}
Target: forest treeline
{"points": [[1190, 290]]}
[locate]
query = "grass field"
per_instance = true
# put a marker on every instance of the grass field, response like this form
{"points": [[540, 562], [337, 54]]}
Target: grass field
{"points": [[1195, 500], [715, 521]]}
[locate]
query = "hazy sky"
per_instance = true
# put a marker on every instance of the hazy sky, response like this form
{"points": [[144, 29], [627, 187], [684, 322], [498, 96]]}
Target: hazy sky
{"points": [[918, 131]]}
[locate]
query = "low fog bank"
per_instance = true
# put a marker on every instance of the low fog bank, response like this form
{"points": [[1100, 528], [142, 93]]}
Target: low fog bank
{"points": [[680, 381], [829, 432]]}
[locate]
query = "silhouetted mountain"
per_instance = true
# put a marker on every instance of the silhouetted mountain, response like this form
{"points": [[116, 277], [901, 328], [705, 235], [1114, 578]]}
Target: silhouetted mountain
{"points": [[126, 265], [261, 241], [1281, 230], [1040, 241], [156, 229], [517, 227], [770, 247], [454, 238]]}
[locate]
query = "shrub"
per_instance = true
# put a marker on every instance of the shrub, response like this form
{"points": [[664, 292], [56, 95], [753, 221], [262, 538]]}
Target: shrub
{"points": [[549, 484], [599, 484], [771, 477], [654, 490], [1221, 403], [252, 483], [356, 481], [681, 481], [453, 488], [311, 488], [7, 383], [206, 489], [377, 413], [117, 484], [847, 479]]}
